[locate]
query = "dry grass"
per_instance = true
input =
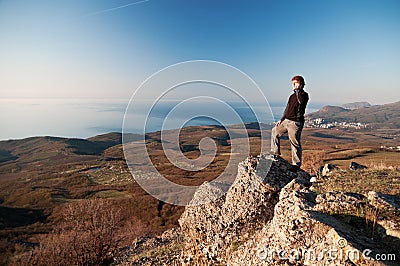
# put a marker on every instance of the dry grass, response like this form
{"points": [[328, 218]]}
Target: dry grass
{"points": [[347, 154], [386, 181], [374, 159]]}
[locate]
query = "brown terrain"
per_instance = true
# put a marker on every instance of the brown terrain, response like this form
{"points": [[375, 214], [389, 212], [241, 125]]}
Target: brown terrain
{"points": [[49, 185]]}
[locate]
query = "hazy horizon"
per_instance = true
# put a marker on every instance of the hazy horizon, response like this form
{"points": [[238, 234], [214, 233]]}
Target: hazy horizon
{"points": [[83, 118], [336, 103]]}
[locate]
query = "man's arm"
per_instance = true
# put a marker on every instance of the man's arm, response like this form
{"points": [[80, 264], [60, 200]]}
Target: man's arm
{"points": [[284, 114]]}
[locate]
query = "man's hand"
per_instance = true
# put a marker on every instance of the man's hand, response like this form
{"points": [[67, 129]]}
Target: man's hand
{"points": [[278, 123]]}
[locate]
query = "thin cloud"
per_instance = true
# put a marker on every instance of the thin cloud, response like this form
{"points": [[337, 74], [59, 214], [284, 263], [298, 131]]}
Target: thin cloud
{"points": [[114, 8]]}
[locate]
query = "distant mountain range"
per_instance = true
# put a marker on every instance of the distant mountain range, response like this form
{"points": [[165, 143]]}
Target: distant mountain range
{"points": [[356, 105], [375, 116]]}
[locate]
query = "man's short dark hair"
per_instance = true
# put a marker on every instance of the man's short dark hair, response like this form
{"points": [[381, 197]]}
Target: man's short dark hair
{"points": [[299, 79]]}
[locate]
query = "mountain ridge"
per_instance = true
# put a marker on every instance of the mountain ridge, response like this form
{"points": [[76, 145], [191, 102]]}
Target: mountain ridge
{"points": [[377, 116]]}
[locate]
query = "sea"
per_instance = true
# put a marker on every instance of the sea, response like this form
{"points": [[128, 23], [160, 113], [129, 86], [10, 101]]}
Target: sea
{"points": [[83, 118]]}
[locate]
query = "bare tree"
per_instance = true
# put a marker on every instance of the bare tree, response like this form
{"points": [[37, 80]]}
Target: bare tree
{"points": [[87, 235]]}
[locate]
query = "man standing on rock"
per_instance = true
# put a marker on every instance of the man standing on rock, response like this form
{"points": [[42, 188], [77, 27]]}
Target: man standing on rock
{"points": [[292, 122]]}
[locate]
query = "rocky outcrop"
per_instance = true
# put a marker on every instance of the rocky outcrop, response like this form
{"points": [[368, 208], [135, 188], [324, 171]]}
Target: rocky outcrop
{"points": [[272, 218], [212, 231], [387, 208]]}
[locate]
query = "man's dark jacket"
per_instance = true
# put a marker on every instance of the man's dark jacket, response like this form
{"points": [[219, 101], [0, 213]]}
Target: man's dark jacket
{"points": [[296, 106]]}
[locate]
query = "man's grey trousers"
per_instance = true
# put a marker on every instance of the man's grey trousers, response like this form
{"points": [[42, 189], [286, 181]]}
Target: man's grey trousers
{"points": [[293, 129]]}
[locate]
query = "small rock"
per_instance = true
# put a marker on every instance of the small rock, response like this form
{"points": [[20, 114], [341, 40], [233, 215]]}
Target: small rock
{"points": [[327, 169], [356, 166]]}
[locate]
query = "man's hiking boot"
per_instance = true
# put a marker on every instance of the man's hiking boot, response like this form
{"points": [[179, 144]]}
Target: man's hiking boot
{"points": [[294, 168], [276, 157]]}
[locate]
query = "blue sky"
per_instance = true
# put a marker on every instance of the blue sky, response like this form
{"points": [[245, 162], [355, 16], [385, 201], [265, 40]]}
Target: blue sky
{"points": [[346, 50]]}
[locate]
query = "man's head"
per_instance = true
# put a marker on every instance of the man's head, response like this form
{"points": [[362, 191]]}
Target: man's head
{"points": [[298, 82]]}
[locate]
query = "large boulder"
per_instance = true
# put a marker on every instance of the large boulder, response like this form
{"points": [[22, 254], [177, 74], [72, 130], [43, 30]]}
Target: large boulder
{"points": [[269, 216], [212, 231]]}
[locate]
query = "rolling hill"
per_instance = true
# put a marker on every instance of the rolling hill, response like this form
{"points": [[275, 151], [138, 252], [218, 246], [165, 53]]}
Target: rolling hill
{"points": [[377, 116]]}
